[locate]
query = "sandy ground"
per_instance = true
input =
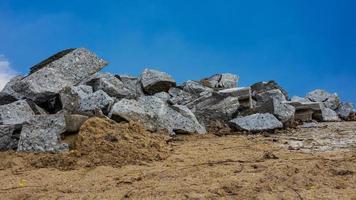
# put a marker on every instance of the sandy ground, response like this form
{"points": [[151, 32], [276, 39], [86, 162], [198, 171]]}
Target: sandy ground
{"points": [[308, 163]]}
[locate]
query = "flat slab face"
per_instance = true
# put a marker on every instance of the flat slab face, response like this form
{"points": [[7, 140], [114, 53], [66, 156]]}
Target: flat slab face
{"points": [[15, 113], [53, 74]]}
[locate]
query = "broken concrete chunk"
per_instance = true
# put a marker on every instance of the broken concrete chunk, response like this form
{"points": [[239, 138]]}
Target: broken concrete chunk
{"points": [[299, 99], [329, 115], [42, 134], [329, 100], [284, 112], [218, 81], [256, 123], [344, 110], [15, 113], [81, 100], [9, 136], [154, 81], [72, 96], [64, 69], [270, 94], [97, 100], [174, 119], [213, 107], [112, 85], [8, 95], [131, 110], [266, 86], [195, 88], [179, 96], [74, 122], [242, 93]]}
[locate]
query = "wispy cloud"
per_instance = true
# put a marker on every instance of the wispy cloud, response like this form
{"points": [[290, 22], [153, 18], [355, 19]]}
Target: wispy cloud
{"points": [[6, 73]]}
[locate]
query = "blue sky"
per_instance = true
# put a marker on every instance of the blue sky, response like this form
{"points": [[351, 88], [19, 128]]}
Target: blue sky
{"points": [[302, 44]]}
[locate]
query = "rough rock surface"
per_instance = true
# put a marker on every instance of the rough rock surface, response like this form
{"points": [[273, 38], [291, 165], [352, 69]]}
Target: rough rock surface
{"points": [[112, 85], [329, 115], [8, 95], [329, 100], [9, 136], [179, 96], [196, 88], [175, 119], [74, 122], [256, 123], [42, 134], [266, 86], [15, 113], [132, 110], [218, 81], [154, 81], [82, 100], [64, 69], [344, 110], [299, 99], [214, 107], [98, 100]]}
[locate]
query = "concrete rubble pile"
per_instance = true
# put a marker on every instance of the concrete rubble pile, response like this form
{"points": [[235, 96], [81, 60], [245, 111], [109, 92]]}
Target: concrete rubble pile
{"points": [[63, 91]]}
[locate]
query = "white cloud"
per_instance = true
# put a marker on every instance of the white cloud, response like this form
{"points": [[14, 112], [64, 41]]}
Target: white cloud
{"points": [[6, 73]]}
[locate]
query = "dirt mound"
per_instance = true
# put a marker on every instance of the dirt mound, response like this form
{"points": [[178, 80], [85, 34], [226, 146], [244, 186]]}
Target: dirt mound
{"points": [[101, 142]]}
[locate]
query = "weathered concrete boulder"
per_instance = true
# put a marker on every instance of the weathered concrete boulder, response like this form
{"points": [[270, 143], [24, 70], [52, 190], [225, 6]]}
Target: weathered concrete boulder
{"points": [[97, 100], [154, 81], [132, 110], [344, 110], [196, 88], [214, 107], [81, 100], [66, 68], [329, 100], [15, 113], [304, 111], [42, 134], [9, 136], [299, 99], [242, 93], [175, 119], [164, 96], [8, 95], [72, 96], [179, 96], [74, 122], [266, 86], [221, 81], [270, 94], [328, 115], [155, 114], [112, 85], [284, 112], [256, 123]]}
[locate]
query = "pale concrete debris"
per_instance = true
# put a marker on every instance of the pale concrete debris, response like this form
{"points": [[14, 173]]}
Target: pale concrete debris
{"points": [[328, 99], [242, 93], [62, 92], [15, 113], [221, 81], [196, 88], [64, 69], [344, 110], [42, 134], [266, 86], [8, 95], [256, 123], [154, 81]]}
